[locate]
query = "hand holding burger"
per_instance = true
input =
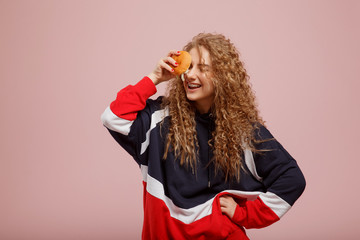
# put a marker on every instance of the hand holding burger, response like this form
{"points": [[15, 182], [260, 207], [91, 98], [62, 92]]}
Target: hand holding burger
{"points": [[176, 63]]}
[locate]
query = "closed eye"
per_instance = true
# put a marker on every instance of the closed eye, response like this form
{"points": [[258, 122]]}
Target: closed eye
{"points": [[204, 67]]}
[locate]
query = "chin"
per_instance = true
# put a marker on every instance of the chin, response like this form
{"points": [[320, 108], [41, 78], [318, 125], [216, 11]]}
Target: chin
{"points": [[191, 97]]}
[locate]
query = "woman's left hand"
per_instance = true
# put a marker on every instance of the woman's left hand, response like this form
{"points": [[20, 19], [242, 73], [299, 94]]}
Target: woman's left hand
{"points": [[228, 205]]}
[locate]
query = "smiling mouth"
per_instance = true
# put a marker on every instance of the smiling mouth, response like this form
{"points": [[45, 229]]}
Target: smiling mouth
{"points": [[193, 85]]}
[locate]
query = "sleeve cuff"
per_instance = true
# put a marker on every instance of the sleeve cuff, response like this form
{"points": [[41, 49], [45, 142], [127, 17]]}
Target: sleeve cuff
{"points": [[146, 87], [238, 215]]}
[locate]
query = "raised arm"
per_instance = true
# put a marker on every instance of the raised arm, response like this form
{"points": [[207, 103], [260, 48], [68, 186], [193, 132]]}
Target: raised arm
{"points": [[122, 119]]}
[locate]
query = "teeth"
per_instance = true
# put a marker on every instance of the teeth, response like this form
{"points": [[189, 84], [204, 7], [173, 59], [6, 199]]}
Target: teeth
{"points": [[193, 85]]}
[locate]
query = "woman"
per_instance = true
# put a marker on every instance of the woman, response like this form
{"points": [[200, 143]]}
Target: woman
{"points": [[210, 167]]}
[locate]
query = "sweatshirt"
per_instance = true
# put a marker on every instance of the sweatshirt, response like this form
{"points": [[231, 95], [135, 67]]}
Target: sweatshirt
{"points": [[180, 204]]}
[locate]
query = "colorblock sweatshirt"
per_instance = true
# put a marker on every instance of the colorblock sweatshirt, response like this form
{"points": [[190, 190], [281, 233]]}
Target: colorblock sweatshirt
{"points": [[179, 204]]}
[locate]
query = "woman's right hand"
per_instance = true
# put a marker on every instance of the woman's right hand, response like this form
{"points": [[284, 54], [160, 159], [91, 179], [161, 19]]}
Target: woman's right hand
{"points": [[163, 70]]}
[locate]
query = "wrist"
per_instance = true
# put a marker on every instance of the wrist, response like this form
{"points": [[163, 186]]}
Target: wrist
{"points": [[153, 78]]}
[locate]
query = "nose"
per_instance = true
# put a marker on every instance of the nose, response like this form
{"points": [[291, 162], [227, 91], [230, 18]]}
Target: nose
{"points": [[190, 75]]}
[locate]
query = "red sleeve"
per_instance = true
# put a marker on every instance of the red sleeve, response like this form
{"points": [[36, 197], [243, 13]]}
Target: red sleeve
{"points": [[132, 99], [254, 214]]}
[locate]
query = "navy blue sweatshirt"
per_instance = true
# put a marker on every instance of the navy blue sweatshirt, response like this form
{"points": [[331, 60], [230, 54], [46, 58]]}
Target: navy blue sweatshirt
{"points": [[179, 204]]}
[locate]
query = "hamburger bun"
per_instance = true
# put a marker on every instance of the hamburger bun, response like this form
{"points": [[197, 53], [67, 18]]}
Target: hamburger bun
{"points": [[184, 61]]}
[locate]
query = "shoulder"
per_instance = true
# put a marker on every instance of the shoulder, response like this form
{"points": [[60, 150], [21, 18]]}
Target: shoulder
{"points": [[154, 110], [261, 132], [155, 102], [153, 105]]}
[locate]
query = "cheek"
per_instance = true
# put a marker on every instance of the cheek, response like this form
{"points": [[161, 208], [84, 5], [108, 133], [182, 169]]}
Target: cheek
{"points": [[210, 86], [206, 80]]}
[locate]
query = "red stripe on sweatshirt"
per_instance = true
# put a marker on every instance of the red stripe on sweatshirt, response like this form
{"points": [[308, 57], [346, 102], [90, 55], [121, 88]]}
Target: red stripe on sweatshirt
{"points": [[254, 214], [158, 223], [132, 99]]}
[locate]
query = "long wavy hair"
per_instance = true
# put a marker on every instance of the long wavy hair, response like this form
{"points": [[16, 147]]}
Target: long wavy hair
{"points": [[234, 110]]}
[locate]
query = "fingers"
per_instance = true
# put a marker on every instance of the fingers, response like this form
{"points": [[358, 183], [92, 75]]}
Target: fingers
{"points": [[171, 61], [227, 205], [173, 52], [169, 58], [225, 201], [168, 62], [224, 204], [164, 68], [164, 63], [225, 209], [222, 201]]}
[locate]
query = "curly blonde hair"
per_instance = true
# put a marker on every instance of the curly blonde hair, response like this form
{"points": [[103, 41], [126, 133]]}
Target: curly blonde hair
{"points": [[234, 110]]}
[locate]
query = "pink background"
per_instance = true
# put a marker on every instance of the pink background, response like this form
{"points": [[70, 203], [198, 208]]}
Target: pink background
{"points": [[62, 176]]}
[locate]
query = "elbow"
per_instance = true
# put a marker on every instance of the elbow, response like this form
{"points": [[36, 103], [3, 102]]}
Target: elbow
{"points": [[114, 123], [302, 184], [105, 118]]}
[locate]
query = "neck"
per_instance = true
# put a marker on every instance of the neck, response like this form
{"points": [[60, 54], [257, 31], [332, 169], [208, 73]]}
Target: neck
{"points": [[202, 108]]}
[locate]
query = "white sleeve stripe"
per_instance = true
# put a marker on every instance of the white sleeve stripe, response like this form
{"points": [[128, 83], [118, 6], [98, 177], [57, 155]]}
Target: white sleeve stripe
{"points": [[250, 163], [274, 202], [113, 122], [156, 117], [277, 204]]}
